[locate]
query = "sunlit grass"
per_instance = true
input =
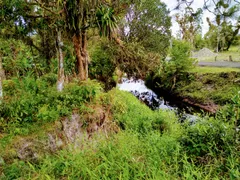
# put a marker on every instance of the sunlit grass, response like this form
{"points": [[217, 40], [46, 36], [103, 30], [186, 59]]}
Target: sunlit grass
{"points": [[214, 69]]}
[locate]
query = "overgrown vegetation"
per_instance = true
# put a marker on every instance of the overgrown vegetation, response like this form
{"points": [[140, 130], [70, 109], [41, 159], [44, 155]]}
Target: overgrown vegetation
{"points": [[31, 100], [149, 145], [176, 67], [219, 87], [109, 61], [56, 122], [203, 86], [208, 86]]}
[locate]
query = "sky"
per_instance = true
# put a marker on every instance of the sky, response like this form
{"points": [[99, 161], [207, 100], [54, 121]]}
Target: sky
{"points": [[196, 4]]}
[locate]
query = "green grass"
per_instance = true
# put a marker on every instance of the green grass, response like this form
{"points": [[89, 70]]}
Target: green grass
{"points": [[234, 51], [148, 145], [213, 69], [189, 152], [224, 56], [208, 85], [206, 59]]}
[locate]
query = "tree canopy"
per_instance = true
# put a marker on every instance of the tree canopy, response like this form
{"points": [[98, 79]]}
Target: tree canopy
{"points": [[148, 22]]}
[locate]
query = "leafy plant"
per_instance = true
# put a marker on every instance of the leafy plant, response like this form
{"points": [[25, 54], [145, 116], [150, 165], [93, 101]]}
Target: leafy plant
{"points": [[31, 100], [171, 71]]}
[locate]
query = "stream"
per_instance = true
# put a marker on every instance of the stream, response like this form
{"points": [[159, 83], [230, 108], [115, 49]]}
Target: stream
{"points": [[152, 100]]}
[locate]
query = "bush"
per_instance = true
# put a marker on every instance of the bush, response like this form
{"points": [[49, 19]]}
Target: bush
{"points": [[180, 57], [208, 138], [31, 100], [102, 64], [174, 70], [50, 78]]}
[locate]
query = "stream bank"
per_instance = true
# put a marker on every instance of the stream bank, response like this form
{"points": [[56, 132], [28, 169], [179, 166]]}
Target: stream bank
{"points": [[158, 101], [203, 91]]}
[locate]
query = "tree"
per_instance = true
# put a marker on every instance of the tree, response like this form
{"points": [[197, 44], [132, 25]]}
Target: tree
{"points": [[61, 76], [26, 20], [148, 23], [227, 21], [43, 22], [226, 15], [79, 16], [199, 41], [2, 77], [189, 23]]}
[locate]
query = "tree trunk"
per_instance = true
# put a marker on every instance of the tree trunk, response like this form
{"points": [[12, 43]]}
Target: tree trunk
{"points": [[2, 72], [61, 77], [235, 33], [1, 78], [80, 47], [218, 39], [1, 90]]}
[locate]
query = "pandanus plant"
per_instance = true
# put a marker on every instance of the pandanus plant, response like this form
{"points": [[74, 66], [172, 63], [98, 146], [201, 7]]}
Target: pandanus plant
{"points": [[106, 21], [79, 16]]}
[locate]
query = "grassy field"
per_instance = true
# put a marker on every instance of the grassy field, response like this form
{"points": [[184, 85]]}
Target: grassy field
{"points": [[213, 69], [224, 56]]}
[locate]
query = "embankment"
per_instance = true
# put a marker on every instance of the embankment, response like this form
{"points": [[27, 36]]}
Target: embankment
{"points": [[205, 91]]}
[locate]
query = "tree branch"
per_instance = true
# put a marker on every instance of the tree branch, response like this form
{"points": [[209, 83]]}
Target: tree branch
{"points": [[47, 9]]}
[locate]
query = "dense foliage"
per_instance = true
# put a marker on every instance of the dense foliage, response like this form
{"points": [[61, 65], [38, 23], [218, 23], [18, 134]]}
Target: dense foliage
{"points": [[87, 128], [150, 145], [31, 101], [176, 67], [148, 23]]}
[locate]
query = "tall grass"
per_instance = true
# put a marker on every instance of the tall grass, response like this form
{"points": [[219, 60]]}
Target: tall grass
{"points": [[129, 155], [150, 145]]}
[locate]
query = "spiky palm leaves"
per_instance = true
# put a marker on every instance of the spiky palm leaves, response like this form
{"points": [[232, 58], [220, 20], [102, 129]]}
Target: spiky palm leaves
{"points": [[83, 14], [106, 21], [80, 15]]}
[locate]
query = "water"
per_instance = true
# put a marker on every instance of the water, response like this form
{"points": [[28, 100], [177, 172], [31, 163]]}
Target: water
{"points": [[137, 88]]}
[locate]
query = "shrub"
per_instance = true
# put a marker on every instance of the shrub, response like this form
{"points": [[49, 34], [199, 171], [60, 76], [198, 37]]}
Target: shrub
{"points": [[208, 138], [50, 78], [180, 57], [170, 72], [31, 100]]}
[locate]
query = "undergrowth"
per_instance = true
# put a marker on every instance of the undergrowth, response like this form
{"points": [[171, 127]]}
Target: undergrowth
{"points": [[37, 101], [208, 87], [149, 145]]}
